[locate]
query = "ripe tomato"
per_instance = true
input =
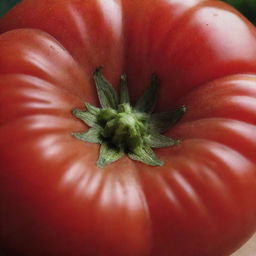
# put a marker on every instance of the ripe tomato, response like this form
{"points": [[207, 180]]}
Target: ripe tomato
{"points": [[54, 200]]}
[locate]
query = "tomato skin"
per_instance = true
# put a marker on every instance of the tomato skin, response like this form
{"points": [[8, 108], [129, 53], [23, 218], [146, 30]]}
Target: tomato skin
{"points": [[53, 198]]}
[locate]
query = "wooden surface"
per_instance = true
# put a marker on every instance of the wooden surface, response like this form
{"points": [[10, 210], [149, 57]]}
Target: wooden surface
{"points": [[249, 249]]}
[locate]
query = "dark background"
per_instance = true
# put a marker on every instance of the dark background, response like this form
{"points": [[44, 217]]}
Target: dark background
{"points": [[5, 5]]}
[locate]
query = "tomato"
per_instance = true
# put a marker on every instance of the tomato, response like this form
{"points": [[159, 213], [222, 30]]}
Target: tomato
{"points": [[54, 200]]}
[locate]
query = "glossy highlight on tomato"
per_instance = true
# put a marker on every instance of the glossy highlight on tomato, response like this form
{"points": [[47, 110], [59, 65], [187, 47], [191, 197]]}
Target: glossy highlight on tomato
{"points": [[54, 200]]}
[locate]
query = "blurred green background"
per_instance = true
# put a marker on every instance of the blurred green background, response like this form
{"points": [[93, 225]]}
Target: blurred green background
{"points": [[5, 5], [247, 7]]}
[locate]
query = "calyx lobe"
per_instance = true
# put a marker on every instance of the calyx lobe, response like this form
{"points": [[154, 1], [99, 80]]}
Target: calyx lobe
{"points": [[123, 129]]}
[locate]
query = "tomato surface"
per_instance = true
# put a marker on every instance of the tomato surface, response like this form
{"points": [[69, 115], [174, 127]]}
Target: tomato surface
{"points": [[54, 200]]}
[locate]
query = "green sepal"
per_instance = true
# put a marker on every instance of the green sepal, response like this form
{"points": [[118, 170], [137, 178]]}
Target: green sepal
{"points": [[120, 128], [107, 95], [157, 140], [93, 135], [145, 155], [161, 122], [93, 110], [86, 117], [142, 116], [108, 155], [147, 101], [124, 93]]}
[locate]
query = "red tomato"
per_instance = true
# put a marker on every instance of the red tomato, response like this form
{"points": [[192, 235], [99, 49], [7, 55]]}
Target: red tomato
{"points": [[54, 200]]}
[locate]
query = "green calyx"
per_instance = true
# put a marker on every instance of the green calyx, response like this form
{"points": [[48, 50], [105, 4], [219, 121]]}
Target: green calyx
{"points": [[123, 129]]}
